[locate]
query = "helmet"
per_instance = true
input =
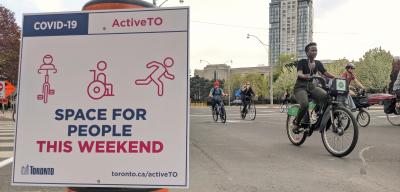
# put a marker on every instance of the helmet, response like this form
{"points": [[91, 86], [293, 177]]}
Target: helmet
{"points": [[350, 65]]}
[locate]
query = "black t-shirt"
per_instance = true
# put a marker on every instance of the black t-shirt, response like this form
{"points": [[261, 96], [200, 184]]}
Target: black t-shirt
{"points": [[302, 65]]}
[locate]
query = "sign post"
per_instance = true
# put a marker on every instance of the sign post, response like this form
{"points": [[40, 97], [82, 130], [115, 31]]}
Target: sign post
{"points": [[103, 99]]}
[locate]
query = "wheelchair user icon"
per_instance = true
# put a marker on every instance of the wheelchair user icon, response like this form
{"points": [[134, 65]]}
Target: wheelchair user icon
{"points": [[99, 87]]}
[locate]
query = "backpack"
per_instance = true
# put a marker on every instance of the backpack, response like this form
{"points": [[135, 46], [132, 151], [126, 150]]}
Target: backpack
{"points": [[215, 91], [389, 106]]}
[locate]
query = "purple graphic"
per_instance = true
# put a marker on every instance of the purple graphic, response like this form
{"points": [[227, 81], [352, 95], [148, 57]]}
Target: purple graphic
{"points": [[99, 87], [46, 66], [160, 70]]}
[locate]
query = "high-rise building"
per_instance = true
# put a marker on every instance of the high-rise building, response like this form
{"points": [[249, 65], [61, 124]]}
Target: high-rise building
{"points": [[290, 28]]}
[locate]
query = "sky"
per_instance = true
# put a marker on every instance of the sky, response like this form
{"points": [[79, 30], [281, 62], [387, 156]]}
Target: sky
{"points": [[218, 28]]}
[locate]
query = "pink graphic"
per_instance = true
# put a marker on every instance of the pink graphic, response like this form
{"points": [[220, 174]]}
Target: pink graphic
{"points": [[46, 66], [99, 87], [160, 70]]}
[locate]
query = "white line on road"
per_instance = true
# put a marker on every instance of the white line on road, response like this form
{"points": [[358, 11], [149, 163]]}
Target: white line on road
{"points": [[6, 162], [6, 137], [6, 144], [363, 169]]}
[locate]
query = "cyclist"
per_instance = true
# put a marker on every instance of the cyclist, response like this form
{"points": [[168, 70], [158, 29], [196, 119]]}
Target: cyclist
{"points": [[306, 68], [286, 97], [350, 76], [246, 94], [216, 94]]}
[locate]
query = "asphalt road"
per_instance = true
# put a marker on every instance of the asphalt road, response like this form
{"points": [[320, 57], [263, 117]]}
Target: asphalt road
{"points": [[244, 155]]}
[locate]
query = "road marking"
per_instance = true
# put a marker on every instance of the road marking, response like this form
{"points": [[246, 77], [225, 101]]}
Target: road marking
{"points": [[6, 134], [6, 137], [6, 144], [6, 154], [363, 169], [6, 162]]}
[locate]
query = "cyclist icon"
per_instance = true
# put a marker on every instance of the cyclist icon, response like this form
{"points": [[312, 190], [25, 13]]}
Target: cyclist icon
{"points": [[159, 70], [99, 87], [46, 66]]}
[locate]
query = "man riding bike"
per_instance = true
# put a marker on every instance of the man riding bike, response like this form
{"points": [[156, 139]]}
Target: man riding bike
{"points": [[306, 68], [246, 94], [350, 76], [216, 94]]}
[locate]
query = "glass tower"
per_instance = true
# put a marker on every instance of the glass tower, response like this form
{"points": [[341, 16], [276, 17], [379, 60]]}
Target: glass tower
{"points": [[290, 28]]}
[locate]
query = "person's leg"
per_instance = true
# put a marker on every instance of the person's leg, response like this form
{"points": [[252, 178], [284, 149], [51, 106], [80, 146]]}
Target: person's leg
{"points": [[301, 97], [319, 95]]}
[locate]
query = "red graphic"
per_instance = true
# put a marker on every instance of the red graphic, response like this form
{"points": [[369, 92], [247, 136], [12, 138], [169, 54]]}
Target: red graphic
{"points": [[99, 87], [46, 66], [159, 70]]}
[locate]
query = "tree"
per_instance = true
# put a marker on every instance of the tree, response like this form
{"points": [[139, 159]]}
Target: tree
{"points": [[258, 82], [283, 60], [9, 44], [373, 69], [337, 67], [286, 81]]}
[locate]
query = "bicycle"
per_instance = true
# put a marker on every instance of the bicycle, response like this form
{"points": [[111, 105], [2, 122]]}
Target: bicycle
{"points": [[250, 109], [332, 120], [393, 116], [219, 111], [361, 102]]}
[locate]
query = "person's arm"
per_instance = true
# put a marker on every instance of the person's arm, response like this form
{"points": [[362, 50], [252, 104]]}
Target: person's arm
{"points": [[300, 70], [329, 74], [358, 83], [302, 76], [211, 91]]}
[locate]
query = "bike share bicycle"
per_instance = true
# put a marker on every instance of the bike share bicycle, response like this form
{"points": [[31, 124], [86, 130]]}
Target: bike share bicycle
{"points": [[250, 110], [334, 121], [219, 111]]}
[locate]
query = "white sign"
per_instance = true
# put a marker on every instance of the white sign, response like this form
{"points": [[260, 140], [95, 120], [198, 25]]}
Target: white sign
{"points": [[103, 99], [2, 89]]}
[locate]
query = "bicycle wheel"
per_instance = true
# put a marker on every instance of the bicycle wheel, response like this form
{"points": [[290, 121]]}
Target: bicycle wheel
{"points": [[252, 111], [214, 114], [296, 139], [393, 119], [337, 139], [363, 118], [222, 114]]}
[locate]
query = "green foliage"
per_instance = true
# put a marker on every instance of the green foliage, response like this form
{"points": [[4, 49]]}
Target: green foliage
{"points": [[373, 69], [9, 44], [286, 81], [258, 82], [337, 67], [283, 60]]}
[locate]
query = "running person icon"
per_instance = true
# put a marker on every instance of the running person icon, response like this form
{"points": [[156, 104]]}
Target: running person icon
{"points": [[159, 70]]}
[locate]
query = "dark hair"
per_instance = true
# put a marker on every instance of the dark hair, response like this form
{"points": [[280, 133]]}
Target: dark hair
{"points": [[309, 45]]}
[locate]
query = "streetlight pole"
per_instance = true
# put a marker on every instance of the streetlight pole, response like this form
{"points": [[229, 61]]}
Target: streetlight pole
{"points": [[271, 89]]}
